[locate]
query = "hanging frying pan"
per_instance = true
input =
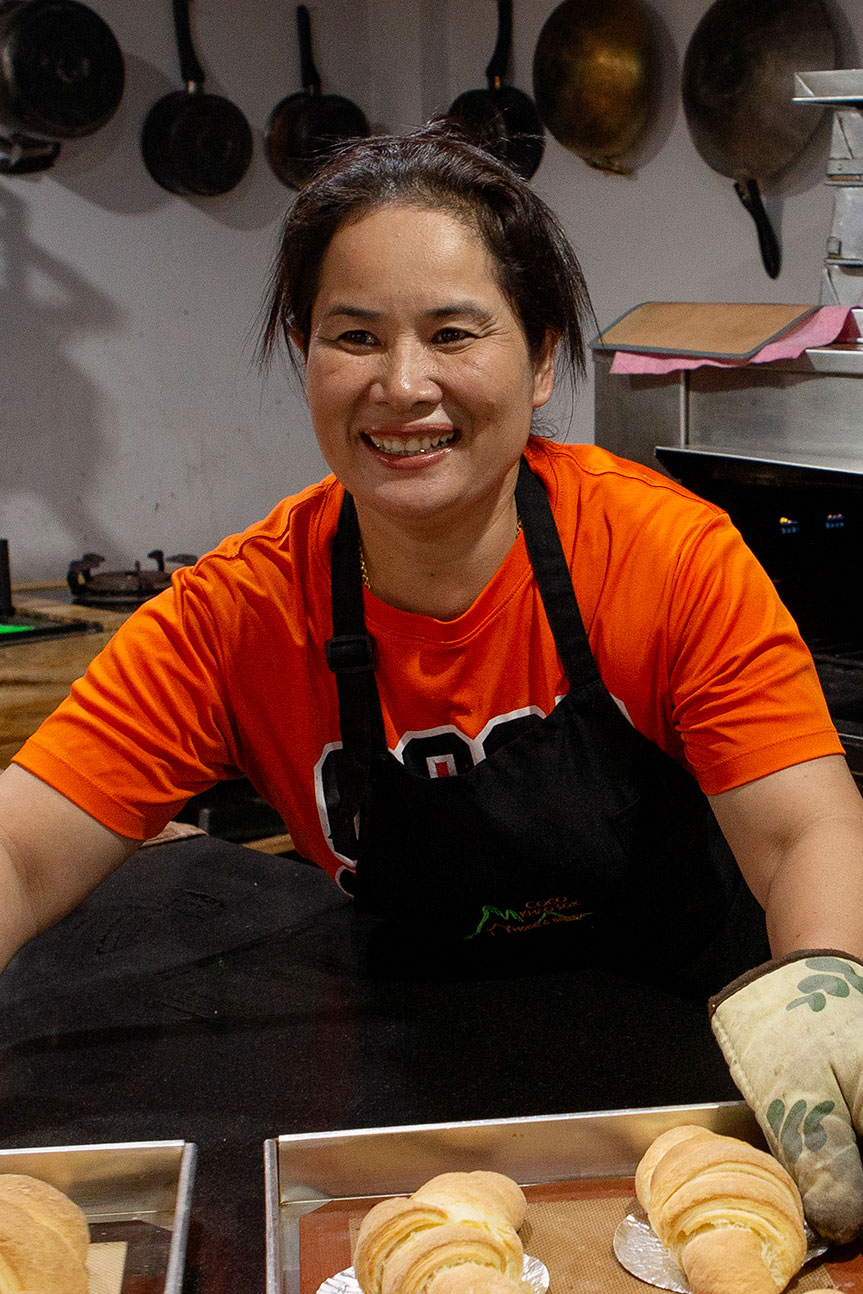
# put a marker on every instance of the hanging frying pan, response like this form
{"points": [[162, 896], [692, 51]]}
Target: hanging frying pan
{"points": [[738, 86], [61, 77], [593, 74], [194, 142], [307, 125], [502, 119]]}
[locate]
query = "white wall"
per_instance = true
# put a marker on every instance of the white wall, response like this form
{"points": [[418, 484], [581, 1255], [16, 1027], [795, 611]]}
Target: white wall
{"points": [[131, 415]]}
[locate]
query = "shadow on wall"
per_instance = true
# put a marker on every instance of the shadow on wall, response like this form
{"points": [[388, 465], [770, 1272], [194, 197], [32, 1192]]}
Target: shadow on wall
{"points": [[51, 449], [665, 100]]}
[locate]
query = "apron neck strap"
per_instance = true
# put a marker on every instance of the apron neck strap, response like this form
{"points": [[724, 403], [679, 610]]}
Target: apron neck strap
{"points": [[554, 580], [350, 655]]}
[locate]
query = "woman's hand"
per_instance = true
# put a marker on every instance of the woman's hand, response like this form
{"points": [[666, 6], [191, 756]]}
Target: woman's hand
{"points": [[792, 1034], [792, 1031]]}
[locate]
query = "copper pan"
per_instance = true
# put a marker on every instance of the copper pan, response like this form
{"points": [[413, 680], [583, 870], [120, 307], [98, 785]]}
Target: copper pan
{"points": [[593, 72]]}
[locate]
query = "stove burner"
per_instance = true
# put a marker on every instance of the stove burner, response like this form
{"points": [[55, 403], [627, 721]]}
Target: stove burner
{"points": [[121, 588]]}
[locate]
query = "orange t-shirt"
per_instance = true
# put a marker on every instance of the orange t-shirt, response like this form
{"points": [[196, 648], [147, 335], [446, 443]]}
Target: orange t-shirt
{"points": [[224, 674]]}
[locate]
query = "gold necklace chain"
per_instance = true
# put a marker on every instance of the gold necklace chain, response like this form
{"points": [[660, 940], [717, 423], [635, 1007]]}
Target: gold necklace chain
{"points": [[363, 571], [364, 574]]}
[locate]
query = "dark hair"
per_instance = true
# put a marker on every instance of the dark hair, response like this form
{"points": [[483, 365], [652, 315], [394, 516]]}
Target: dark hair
{"points": [[438, 169]]}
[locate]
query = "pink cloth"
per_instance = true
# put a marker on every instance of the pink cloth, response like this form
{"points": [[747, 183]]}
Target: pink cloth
{"points": [[825, 325]]}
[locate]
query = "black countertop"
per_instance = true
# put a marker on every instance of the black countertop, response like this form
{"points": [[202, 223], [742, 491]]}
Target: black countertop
{"points": [[213, 994]]}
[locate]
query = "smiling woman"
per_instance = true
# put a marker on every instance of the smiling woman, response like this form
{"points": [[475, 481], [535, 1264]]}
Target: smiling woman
{"points": [[488, 680]]}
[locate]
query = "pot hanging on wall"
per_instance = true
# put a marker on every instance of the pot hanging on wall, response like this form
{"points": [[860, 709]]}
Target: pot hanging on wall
{"points": [[306, 126], [502, 119], [593, 76], [738, 87], [61, 77], [195, 143]]}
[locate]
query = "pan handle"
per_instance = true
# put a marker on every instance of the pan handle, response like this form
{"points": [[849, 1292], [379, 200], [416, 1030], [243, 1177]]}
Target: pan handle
{"points": [[190, 69], [308, 71], [749, 194], [496, 70]]}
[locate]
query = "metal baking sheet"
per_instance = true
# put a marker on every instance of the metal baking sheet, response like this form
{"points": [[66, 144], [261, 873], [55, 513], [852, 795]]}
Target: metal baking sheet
{"points": [[303, 1172], [137, 1191]]}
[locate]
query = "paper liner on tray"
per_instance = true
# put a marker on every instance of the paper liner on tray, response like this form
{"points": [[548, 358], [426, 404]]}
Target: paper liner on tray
{"points": [[345, 1282], [105, 1265]]}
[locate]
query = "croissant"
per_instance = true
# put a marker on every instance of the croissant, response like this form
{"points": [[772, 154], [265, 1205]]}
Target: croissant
{"points": [[44, 1239], [730, 1214], [456, 1235]]}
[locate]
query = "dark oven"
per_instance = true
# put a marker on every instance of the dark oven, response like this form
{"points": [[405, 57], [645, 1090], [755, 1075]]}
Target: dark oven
{"points": [[780, 447]]}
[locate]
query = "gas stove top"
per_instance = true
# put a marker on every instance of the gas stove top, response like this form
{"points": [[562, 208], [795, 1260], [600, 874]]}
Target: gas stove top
{"points": [[91, 587]]}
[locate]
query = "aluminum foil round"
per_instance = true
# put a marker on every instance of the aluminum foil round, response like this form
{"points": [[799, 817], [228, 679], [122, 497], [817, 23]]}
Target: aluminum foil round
{"points": [[638, 1249], [535, 1275]]}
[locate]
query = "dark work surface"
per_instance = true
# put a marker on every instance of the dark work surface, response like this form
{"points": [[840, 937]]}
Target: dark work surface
{"points": [[210, 993]]}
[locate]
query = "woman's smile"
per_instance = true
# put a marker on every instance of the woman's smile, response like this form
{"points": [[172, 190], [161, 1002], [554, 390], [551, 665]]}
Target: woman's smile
{"points": [[412, 442]]}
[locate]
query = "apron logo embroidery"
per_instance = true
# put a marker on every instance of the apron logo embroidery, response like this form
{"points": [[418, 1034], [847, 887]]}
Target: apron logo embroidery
{"points": [[538, 912]]}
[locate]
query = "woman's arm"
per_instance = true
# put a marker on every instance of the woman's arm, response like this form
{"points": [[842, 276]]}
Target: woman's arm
{"points": [[51, 855], [792, 1030], [797, 836]]}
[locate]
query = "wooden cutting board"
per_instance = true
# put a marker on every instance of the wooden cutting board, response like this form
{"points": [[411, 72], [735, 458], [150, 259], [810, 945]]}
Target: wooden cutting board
{"points": [[723, 330]]}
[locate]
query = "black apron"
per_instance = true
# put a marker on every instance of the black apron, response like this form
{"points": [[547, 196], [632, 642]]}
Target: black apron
{"points": [[578, 823]]}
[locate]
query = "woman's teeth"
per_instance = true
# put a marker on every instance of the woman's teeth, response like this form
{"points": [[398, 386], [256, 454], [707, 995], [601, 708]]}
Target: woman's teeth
{"points": [[416, 444]]}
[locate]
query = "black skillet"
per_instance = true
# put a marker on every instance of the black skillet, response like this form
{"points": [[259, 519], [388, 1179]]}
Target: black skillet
{"points": [[61, 77], [738, 85], [194, 142], [502, 119], [304, 127]]}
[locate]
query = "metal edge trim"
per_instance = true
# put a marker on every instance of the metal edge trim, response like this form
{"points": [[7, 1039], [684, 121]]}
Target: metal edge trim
{"points": [[396, 1129], [845, 467], [174, 1276], [825, 86], [273, 1233], [93, 1145]]}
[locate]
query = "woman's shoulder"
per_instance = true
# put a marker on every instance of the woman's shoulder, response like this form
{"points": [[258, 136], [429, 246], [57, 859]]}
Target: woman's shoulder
{"points": [[590, 486], [591, 467], [295, 535]]}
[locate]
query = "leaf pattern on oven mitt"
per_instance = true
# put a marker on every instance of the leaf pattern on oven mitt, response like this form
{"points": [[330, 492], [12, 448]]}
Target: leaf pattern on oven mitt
{"points": [[792, 1034]]}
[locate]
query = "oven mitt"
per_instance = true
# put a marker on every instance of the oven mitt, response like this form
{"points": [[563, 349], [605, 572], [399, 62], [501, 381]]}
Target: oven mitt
{"points": [[792, 1034]]}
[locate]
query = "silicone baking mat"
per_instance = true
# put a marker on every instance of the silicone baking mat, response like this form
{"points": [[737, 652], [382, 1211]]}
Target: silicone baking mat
{"points": [[569, 1225]]}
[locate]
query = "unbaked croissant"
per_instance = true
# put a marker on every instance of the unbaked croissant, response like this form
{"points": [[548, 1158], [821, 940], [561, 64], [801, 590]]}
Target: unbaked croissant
{"points": [[456, 1235], [44, 1239], [729, 1214]]}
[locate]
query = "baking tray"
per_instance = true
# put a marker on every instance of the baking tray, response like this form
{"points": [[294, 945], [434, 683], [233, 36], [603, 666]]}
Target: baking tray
{"points": [[306, 1171], [590, 1156], [139, 1192]]}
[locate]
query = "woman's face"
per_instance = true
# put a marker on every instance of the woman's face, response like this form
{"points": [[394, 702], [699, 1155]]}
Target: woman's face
{"points": [[418, 376]]}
